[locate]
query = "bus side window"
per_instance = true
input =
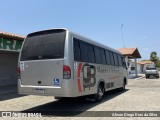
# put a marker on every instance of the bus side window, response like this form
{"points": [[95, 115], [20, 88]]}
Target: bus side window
{"points": [[124, 63], [97, 54], [83, 49], [90, 52], [108, 60], [77, 54], [112, 59], [115, 59], [119, 60], [103, 58]]}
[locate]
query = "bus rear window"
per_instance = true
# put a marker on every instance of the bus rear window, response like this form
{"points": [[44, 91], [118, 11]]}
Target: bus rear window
{"points": [[44, 45]]}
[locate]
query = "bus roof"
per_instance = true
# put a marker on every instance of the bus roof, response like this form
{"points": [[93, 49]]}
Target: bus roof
{"points": [[80, 36]]}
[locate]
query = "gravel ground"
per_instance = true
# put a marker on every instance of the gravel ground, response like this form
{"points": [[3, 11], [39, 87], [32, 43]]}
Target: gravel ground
{"points": [[140, 95]]}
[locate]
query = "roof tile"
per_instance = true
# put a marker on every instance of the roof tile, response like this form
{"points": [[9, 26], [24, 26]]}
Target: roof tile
{"points": [[127, 51], [145, 62], [7, 34], [130, 52]]}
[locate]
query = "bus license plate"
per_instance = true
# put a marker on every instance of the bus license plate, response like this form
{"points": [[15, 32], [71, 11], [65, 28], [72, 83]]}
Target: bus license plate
{"points": [[39, 90]]}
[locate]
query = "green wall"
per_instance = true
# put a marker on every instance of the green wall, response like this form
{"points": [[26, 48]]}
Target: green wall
{"points": [[10, 44]]}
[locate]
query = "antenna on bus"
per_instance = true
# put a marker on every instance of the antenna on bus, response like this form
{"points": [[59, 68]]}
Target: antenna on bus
{"points": [[122, 34]]}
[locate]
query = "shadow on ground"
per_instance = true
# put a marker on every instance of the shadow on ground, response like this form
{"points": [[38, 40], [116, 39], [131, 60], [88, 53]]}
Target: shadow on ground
{"points": [[9, 95], [135, 77], [152, 77], [71, 107]]}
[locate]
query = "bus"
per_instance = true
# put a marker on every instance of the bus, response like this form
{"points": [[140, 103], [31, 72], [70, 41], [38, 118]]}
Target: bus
{"points": [[61, 63]]}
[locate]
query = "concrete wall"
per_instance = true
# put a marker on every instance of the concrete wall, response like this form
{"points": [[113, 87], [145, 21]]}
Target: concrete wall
{"points": [[8, 68]]}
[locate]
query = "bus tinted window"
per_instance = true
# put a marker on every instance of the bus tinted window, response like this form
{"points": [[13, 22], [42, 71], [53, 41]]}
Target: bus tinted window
{"points": [[90, 52], [123, 60], [83, 49], [115, 59], [111, 57], [119, 60], [107, 57], [97, 54], [44, 45], [103, 58], [77, 55]]}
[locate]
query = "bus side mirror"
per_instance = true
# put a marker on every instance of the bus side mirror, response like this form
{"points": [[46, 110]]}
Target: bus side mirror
{"points": [[124, 65]]}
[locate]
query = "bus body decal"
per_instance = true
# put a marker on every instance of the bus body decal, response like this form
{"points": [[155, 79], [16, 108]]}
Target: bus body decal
{"points": [[87, 76], [78, 75]]}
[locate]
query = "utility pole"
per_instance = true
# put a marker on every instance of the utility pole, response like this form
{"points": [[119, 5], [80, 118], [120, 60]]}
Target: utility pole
{"points": [[122, 35]]}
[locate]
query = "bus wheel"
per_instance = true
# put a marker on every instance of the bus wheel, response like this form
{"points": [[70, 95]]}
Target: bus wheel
{"points": [[124, 87], [147, 76], [99, 95], [57, 97]]}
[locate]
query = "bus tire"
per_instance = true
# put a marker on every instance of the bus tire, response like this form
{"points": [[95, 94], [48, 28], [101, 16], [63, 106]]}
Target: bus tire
{"points": [[57, 98], [147, 76], [124, 86], [99, 95]]}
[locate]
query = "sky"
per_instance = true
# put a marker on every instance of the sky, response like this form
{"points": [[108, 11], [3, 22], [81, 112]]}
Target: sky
{"points": [[100, 20]]}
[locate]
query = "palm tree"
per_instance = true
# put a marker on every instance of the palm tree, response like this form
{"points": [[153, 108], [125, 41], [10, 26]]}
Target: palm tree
{"points": [[153, 57]]}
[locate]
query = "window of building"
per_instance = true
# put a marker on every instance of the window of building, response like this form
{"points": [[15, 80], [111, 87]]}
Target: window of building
{"points": [[132, 68]]}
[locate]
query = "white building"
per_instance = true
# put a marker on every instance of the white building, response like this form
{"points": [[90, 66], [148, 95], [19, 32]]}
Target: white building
{"points": [[141, 66], [146, 64], [131, 53]]}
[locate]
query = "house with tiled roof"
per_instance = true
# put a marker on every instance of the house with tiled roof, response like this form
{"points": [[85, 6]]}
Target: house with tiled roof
{"points": [[141, 66], [10, 46], [131, 53], [146, 64]]}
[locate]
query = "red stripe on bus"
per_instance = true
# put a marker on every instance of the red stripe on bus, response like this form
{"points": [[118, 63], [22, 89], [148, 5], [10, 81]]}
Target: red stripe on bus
{"points": [[78, 75]]}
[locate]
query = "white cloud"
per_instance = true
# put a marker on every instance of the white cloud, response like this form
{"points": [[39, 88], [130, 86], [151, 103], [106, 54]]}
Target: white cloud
{"points": [[145, 49]]}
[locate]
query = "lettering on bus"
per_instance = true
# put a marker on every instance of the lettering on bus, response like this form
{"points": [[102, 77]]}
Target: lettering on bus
{"points": [[89, 78], [106, 70], [102, 70], [8, 44]]}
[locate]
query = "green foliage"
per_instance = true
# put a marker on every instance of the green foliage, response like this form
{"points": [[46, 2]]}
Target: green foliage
{"points": [[153, 56], [158, 63]]}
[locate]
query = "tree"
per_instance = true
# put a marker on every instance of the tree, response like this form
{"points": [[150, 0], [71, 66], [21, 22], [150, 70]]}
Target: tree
{"points": [[158, 63], [153, 57]]}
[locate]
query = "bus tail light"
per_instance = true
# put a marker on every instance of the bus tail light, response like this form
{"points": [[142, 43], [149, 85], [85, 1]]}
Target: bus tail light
{"points": [[19, 72], [66, 72]]}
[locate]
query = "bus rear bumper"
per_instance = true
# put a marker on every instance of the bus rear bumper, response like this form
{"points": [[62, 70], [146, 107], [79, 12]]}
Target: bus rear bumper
{"points": [[43, 90]]}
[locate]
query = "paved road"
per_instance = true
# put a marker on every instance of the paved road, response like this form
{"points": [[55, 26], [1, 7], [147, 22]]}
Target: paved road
{"points": [[140, 95]]}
